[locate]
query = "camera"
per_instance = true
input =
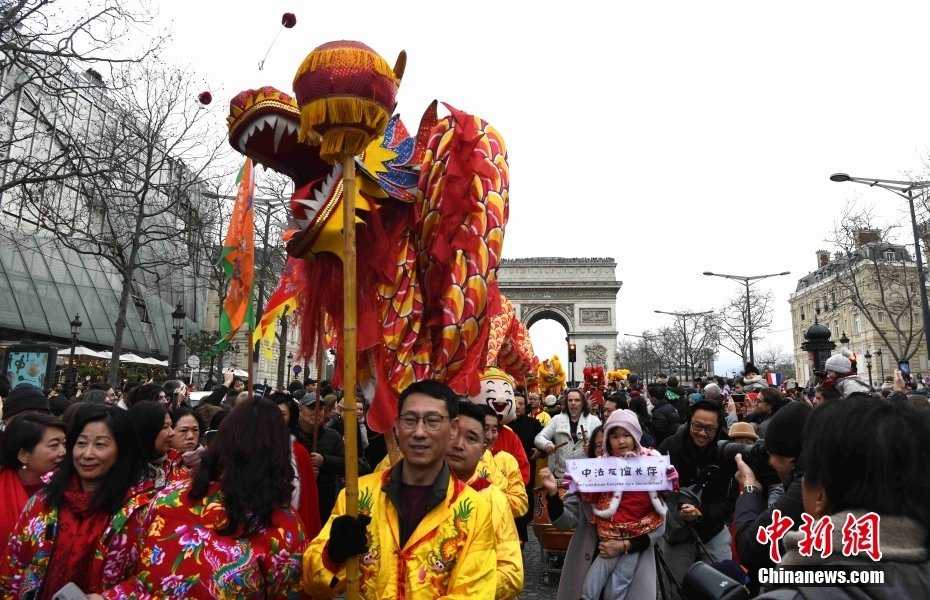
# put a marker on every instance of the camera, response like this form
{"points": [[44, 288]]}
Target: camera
{"points": [[755, 456]]}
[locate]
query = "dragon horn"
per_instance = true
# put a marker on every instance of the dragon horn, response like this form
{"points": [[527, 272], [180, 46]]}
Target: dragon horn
{"points": [[427, 122], [400, 65]]}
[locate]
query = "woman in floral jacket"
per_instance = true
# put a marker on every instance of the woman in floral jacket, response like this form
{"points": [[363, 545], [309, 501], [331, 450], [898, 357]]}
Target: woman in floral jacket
{"points": [[230, 532], [82, 527], [153, 425]]}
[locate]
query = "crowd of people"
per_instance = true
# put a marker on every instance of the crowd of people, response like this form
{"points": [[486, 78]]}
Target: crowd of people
{"points": [[136, 492]]}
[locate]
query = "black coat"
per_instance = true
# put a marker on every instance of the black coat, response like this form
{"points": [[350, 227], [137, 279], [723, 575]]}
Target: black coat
{"points": [[719, 497], [665, 420], [752, 512], [527, 428], [330, 446]]}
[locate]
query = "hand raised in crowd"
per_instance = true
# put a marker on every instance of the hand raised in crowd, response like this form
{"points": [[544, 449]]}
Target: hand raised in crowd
{"points": [[731, 407], [228, 378], [744, 475], [548, 481], [899, 384]]}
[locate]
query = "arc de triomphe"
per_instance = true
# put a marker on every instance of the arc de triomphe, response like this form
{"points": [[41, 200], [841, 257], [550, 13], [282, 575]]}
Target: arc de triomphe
{"points": [[578, 293]]}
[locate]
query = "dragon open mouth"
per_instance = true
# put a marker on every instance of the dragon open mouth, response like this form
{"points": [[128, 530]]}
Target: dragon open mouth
{"points": [[263, 124]]}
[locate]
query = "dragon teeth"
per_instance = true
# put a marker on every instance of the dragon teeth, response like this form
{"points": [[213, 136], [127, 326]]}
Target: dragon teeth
{"points": [[280, 128]]}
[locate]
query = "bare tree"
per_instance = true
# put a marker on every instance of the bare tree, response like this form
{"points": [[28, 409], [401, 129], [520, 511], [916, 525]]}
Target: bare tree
{"points": [[735, 320], [52, 54], [775, 359], [640, 355], [687, 345], [143, 212], [877, 278]]}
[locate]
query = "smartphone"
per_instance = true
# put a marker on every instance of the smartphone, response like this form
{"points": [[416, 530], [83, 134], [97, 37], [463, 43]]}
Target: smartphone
{"points": [[738, 398], [69, 592], [905, 368]]}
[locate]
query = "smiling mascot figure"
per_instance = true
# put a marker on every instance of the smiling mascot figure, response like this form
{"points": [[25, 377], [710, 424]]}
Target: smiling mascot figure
{"points": [[497, 392]]}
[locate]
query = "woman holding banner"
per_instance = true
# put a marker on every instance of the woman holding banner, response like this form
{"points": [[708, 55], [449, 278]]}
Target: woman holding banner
{"points": [[621, 525]]}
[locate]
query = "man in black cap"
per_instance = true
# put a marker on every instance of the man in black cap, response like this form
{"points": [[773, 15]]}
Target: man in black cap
{"points": [[24, 398], [783, 441], [328, 458]]}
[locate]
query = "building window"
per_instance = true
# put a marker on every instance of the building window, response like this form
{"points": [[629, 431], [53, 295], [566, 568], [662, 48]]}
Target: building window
{"points": [[890, 255], [857, 322], [881, 317]]}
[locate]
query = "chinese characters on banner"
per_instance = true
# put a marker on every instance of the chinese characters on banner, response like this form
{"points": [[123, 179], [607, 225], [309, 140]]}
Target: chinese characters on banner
{"points": [[611, 473], [859, 535]]}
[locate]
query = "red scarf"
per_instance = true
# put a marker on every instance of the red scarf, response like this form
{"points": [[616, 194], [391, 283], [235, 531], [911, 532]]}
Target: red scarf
{"points": [[79, 531], [14, 499]]}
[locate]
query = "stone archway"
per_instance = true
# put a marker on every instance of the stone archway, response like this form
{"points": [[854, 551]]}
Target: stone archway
{"points": [[578, 293]]}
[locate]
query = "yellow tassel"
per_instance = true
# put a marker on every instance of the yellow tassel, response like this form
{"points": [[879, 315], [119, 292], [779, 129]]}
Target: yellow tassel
{"points": [[362, 120], [342, 141]]}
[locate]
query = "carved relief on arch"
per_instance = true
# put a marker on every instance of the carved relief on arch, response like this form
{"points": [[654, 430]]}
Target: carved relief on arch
{"points": [[595, 354], [561, 313]]}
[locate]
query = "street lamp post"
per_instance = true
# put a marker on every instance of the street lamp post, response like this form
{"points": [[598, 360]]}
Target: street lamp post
{"points": [[75, 330], [177, 317], [868, 365], [290, 360], [881, 364], [747, 281], [905, 189], [684, 331]]}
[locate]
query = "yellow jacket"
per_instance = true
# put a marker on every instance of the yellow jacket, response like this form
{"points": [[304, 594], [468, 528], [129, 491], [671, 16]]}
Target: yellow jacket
{"points": [[509, 555], [510, 481], [449, 555]]}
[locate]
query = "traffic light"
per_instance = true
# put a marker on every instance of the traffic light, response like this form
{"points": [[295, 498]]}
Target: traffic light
{"points": [[571, 353]]}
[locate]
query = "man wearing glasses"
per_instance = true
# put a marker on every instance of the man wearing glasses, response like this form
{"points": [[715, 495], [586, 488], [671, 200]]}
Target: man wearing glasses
{"points": [[421, 532], [693, 451]]}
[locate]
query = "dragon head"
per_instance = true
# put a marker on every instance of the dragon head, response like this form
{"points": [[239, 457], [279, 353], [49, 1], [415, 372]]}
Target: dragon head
{"points": [[264, 124]]}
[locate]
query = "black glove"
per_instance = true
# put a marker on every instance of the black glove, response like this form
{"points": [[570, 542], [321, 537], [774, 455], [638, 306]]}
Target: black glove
{"points": [[347, 537]]}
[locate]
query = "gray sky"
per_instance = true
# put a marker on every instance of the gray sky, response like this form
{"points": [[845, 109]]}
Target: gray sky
{"points": [[677, 137]]}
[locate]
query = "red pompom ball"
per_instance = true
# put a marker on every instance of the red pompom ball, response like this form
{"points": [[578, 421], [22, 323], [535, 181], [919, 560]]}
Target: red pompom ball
{"points": [[205, 98], [289, 20]]}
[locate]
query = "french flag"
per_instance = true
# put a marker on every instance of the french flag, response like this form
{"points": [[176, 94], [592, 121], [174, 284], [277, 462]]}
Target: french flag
{"points": [[773, 379]]}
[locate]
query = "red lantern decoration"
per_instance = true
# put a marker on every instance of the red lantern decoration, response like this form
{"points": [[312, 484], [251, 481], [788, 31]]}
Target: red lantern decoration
{"points": [[205, 98], [289, 20]]}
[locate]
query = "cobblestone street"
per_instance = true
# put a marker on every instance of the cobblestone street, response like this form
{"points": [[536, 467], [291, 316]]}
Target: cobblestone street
{"points": [[533, 586]]}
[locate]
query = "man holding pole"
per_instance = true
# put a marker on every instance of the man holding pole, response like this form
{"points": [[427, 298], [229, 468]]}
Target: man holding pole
{"points": [[420, 533]]}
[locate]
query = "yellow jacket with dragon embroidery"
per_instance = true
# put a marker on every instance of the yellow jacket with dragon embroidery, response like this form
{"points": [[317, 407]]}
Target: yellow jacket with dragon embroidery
{"points": [[449, 555]]}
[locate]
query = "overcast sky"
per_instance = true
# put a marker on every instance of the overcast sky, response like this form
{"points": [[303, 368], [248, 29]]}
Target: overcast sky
{"points": [[676, 137]]}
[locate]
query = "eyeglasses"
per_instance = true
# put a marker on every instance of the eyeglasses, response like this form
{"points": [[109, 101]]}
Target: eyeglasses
{"points": [[698, 428], [409, 421]]}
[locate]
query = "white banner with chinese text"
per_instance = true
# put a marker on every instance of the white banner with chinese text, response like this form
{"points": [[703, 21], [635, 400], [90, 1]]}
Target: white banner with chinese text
{"points": [[611, 474]]}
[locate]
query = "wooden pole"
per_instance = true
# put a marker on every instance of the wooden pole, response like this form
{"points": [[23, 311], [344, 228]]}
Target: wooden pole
{"points": [[349, 356], [250, 361], [318, 407]]}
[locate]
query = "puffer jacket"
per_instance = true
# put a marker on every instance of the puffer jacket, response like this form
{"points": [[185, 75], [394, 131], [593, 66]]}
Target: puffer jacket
{"points": [[851, 384]]}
